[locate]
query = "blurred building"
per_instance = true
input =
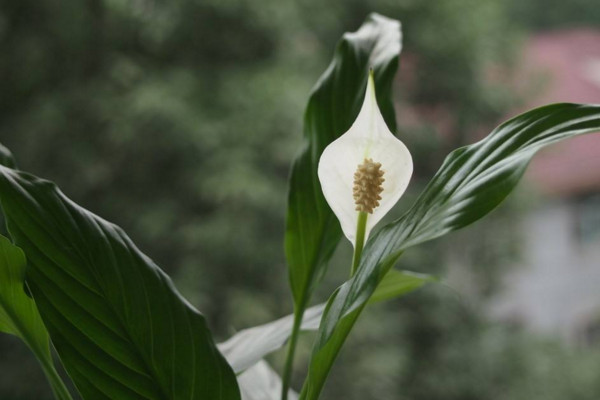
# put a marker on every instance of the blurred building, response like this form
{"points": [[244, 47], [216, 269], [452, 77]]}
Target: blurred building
{"points": [[556, 288]]}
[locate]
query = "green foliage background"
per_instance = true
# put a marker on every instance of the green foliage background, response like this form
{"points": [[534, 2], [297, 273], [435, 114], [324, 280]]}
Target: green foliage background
{"points": [[179, 121]]}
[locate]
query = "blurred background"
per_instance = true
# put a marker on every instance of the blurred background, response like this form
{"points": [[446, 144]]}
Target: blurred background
{"points": [[179, 120]]}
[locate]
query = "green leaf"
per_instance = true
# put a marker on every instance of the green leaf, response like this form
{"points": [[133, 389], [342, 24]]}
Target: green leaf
{"points": [[398, 283], [6, 157], [471, 182], [116, 320], [19, 315], [312, 231]]}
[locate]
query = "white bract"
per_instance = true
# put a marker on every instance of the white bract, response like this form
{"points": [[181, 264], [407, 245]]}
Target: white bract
{"points": [[367, 139]]}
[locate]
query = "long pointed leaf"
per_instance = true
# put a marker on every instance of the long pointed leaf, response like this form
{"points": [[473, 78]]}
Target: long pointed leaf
{"points": [[472, 181], [118, 324]]}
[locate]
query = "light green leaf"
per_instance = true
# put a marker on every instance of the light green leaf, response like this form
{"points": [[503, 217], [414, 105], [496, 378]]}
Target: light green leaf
{"points": [[472, 181], [398, 283], [19, 315], [116, 320]]}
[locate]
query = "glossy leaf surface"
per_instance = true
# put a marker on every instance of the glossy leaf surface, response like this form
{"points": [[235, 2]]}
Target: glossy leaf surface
{"points": [[471, 182], [120, 327]]}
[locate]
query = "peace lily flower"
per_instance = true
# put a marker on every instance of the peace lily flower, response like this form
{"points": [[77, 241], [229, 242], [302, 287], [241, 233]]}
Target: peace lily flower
{"points": [[364, 172]]}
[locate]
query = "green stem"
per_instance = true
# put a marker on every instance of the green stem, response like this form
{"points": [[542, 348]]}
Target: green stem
{"points": [[361, 228], [299, 310], [289, 361]]}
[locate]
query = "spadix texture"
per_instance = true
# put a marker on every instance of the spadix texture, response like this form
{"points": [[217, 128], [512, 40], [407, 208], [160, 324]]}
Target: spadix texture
{"points": [[367, 139]]}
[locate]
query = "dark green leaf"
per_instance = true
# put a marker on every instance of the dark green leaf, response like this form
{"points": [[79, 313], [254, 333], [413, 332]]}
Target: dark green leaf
{"points": [[120, 327], [6, 157], [472, 181], [312, 231]]}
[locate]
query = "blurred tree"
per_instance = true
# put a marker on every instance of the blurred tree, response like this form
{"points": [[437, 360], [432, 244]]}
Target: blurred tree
{"points": [[555, 14]]}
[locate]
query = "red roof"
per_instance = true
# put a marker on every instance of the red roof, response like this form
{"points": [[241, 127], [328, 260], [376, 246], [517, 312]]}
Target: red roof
{"points": [[568, 62]]}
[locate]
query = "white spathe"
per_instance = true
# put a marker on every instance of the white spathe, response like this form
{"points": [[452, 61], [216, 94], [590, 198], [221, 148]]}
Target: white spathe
{"points": [[367, 138]]}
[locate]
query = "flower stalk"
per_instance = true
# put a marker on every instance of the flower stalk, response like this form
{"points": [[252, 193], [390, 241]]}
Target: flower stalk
{"points": [[361, 228], [291, 351]]}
